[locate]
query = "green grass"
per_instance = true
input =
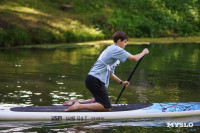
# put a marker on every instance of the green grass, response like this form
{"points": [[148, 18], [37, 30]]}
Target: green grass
{"points": [[145, 41], [30, 22], [41, 22], [132, 41]]}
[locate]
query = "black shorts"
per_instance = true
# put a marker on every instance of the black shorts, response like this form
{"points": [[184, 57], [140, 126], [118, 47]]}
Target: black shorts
{"points": [[98, 90]]}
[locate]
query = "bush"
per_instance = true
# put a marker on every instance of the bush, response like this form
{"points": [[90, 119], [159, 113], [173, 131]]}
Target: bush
{"points": [[40, 35], [70, 36], [14, 36], [143, 18], [2, 37]]}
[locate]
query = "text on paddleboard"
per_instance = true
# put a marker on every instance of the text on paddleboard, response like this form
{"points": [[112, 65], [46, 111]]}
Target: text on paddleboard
{"points": [[75, 118]]}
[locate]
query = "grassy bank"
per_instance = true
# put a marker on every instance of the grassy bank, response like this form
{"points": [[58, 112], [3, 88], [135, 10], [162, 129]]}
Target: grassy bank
{"points": [[143, 41], [25, 22], [132, 41], [28, 22]]}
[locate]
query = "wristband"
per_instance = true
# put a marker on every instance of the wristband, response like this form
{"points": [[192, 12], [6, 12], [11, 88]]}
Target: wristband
{"points": [[121, 81]]}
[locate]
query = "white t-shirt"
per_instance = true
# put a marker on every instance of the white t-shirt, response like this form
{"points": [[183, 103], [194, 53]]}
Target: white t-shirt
{"points": [[108, 60]]}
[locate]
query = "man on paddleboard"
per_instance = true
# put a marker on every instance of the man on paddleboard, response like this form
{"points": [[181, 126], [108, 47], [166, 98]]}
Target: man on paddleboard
{"points": [[99, 75]]}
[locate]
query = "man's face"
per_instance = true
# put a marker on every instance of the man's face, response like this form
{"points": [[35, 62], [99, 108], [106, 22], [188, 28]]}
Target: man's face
{"points": [[123, 43]]}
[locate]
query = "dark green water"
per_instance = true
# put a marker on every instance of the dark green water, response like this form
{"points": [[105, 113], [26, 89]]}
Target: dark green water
{"points": [[170, 73]]}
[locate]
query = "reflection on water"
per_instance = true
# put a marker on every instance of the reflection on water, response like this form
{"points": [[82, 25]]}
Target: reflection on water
{"points": [[170, 73], [136, 125]]}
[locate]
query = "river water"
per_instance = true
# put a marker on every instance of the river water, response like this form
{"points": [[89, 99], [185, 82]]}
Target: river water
{"points": [[170, 73]]}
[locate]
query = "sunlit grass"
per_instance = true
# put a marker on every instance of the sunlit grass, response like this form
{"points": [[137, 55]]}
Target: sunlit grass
{"points": [[141, 41], [169, 40], [24, 10], [65, 26], [46, 25], [132, 41]]}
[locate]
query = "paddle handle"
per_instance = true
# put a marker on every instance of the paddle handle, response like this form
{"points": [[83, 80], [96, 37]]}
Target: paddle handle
{"points": [[128, 80]]}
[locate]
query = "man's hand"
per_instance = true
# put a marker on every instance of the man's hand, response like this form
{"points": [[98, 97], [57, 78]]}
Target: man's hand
{"points": [[126, 83], [145, 51]]}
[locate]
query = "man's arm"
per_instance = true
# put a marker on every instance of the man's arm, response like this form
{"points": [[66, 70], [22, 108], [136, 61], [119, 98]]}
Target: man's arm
{"points": [[118, 80], [138, 56]]}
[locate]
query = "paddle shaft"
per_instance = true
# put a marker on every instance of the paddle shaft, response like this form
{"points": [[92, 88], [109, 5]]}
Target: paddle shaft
{"points": [[128, 80]]}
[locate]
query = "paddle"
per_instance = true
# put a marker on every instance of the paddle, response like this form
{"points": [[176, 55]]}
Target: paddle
{"points": [[128, 80]]}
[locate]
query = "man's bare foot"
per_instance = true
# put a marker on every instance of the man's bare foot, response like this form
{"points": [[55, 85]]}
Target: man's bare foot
{"points": [[73, 107], [69, 103]]}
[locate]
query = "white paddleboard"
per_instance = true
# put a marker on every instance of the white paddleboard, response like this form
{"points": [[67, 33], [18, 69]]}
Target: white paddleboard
{"points": [[119, 111]]}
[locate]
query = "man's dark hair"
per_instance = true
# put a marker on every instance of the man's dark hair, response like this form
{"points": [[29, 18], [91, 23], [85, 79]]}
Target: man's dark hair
{"points": [[120, 35]]}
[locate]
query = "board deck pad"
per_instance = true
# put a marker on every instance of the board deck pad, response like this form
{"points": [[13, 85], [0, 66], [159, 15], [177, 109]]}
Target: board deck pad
{"points": [[60, 108]]}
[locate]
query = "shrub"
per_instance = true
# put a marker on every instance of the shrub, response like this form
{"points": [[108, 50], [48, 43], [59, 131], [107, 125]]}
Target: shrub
{"points": [[40, 35], [14, 36]]}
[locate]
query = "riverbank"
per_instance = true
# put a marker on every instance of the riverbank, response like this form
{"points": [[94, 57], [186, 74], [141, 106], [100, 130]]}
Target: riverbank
{"points": [[48, 22], [143, 41], [132, 41]]}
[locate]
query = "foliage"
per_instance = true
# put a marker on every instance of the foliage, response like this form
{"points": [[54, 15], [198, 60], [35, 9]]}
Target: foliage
{"points": [[144, 18], [93, 20], [42, 36], [14, 36]]}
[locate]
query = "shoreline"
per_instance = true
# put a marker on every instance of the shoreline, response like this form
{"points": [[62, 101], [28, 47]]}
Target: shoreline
{"points": [[144, 41], [131, 41]]}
